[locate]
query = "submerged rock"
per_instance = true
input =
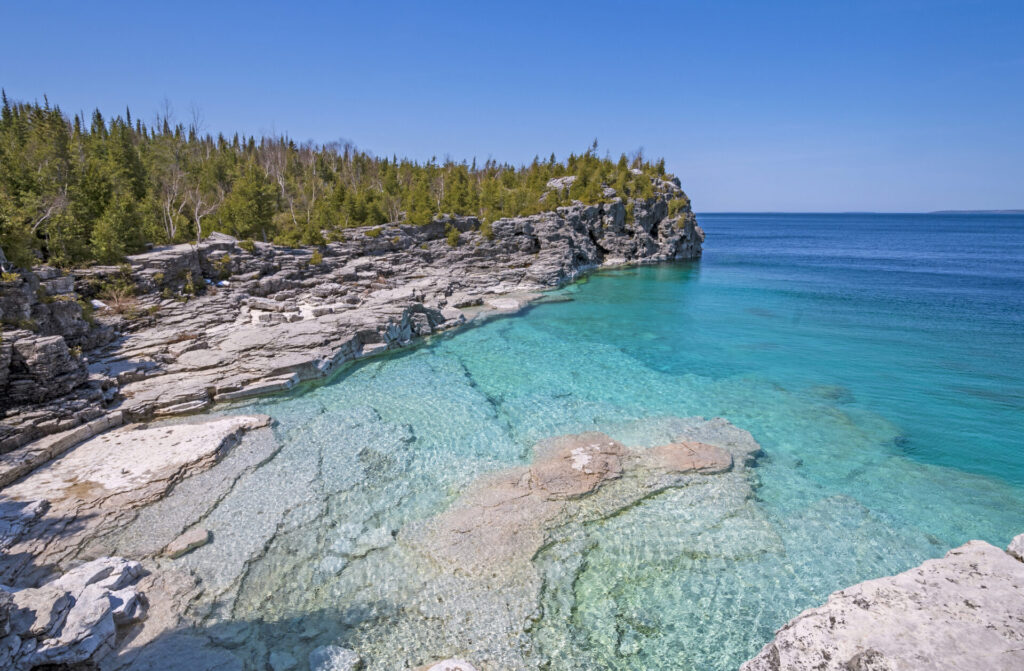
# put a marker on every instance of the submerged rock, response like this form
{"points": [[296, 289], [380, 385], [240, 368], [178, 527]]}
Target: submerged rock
{"points": [[195, 537], [485, 576], [964, 611], [504, 519], [334, 658]]}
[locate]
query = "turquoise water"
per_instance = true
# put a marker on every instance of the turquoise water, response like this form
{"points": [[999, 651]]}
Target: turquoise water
{"points": [[878, 359]]}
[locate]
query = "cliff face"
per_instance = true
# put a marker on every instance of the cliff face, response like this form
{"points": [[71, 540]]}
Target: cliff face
{"points": [[223, 320], [44, 333]]}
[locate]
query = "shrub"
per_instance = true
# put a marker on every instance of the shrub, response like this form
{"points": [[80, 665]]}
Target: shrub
{"points": [[222, 266], [373, 232], [316, 259], [486, 230], [247, 245], [119, 298], [9, 277], [677, 205], [452, 234]]}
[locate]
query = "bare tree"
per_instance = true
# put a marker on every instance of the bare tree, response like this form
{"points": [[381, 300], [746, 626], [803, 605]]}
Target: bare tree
{"points": [[274, 158], [51, 206]]}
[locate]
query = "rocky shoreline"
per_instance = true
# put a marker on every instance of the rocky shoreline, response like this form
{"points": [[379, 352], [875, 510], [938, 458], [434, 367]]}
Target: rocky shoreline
{"points": [[226, 319]]}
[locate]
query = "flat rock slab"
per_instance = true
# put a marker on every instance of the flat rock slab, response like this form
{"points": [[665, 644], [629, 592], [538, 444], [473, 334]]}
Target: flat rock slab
{"points": [[133, 461], [964, 611], [97, 487]]}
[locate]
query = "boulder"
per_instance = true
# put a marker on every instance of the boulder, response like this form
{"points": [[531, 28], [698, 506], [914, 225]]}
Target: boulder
{"points": [[963, 611], [41, 368]]}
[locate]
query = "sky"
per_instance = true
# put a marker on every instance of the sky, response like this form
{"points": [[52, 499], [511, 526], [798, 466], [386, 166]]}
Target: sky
{"points": [[823, 106]]}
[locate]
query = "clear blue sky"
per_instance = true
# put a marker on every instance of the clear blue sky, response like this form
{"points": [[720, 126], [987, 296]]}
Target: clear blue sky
{"points": [[800, 106]]}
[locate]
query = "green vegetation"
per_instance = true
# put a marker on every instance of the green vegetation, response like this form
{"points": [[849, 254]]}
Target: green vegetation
{"points": [[677, 205], [76, 191], [223, 267], [316, 259], [452, 234], [9, 277]]}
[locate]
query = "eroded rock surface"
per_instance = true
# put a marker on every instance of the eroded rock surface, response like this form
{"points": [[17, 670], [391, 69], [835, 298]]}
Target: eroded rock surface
{"points": [[71, 620], [963, 611]]}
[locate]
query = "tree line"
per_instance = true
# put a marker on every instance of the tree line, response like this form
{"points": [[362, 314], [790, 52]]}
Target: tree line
{"points": [[77, 191]]}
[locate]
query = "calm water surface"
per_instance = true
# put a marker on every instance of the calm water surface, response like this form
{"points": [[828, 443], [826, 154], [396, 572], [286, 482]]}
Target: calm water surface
{"points": [[878, 359]]}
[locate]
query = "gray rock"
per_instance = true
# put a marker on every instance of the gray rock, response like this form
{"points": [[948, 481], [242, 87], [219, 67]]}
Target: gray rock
{"points": [[963, 611], [73, 619], [448, 665]]}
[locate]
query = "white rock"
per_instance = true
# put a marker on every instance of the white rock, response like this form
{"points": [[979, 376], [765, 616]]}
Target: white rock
{"points": [[1016, 547], [963, 611]]}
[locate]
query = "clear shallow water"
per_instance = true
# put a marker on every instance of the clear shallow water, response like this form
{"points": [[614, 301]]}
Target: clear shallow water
{"points": [[876, 358]]}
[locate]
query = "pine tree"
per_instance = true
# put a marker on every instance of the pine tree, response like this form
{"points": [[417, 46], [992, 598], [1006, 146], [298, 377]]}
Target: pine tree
{"points": [[117, 233]]}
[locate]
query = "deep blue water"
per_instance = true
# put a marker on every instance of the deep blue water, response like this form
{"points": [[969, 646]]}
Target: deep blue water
{"points": [[876, 358], [920, 317]]}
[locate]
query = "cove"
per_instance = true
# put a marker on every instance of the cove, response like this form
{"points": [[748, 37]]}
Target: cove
{"points": [[875, 359]]}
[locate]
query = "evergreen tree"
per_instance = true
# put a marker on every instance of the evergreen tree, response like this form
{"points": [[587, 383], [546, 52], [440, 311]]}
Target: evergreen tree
{"points": [[118, 231], [80, 191]]}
